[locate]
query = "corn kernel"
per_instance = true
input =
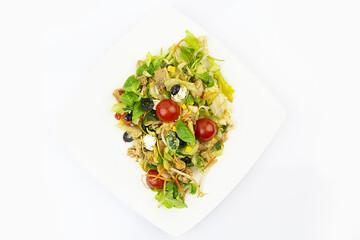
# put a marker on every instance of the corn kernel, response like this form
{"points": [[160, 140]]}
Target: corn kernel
{"points": [[174, 128], [188, 149], [121, 122], [183, 106], [155, 154], [171, 69]]}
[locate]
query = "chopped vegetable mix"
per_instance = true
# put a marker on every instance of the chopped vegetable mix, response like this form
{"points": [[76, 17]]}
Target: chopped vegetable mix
{"points": [[176, 112]]}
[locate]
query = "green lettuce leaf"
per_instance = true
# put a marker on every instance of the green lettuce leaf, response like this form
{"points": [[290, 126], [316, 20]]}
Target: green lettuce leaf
{"points": [[148, 59], [190, 100], [206, 78], [160, 160], [167, 159], [187, 50], [137, 113], [169, 197], [197, 61], [131, 84], [141, 70], [129, 98], [184, 133], [155, 64], [118, 108], [191, 40], [199, 163], [185, 57], [213, 66], [192, 188], [150, 166]]}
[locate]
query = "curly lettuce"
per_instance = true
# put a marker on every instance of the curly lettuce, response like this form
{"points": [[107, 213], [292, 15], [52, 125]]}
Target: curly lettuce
{"points": [[225, 88]]}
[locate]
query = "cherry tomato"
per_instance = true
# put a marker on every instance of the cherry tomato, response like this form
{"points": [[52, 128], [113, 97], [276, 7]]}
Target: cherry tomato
{"points": [[152, 182], [202, 95], [167, 110], [205, 129], [117, 116], [126, 122]]}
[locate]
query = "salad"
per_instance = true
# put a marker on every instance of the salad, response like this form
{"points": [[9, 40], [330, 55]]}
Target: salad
{"points": [[176, 111]]}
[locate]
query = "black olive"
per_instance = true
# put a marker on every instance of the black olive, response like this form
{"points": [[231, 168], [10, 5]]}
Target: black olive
{"points": [[186, 159], [182, 143], [175, 89], [169, 65], [128, 116], [127, 137], [147, 104]]}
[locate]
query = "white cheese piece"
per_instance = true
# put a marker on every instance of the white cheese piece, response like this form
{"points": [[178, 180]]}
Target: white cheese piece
{"points": [[149, 142], [180, 95]]}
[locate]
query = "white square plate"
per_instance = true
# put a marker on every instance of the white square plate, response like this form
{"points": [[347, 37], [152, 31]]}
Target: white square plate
{"points": [[87, 128]]}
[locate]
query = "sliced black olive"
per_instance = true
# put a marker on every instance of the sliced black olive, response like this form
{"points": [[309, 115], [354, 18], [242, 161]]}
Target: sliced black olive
{"points": [[186, 159], [127, 137], [169, 65], [128, 116], [175, 89], [182, 144], [147, 104]]}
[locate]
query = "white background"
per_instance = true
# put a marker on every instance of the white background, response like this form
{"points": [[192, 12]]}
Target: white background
{"points": [[305, 186]]}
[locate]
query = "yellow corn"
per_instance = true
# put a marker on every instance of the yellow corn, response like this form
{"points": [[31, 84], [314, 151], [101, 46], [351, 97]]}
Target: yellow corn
{"points": [[155, 153], [174, 128], [183, 106], [188, 149], [171, 69], [121, 122]]}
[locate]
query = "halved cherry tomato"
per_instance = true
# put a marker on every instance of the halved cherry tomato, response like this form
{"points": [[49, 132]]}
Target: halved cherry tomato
{"points": [[117, 116], [205, 129], [167, 110], [125, 119], [152, 182]]}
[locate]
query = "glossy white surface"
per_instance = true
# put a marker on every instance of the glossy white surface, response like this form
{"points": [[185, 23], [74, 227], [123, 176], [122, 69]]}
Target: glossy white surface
{"points": [[97, 144]]}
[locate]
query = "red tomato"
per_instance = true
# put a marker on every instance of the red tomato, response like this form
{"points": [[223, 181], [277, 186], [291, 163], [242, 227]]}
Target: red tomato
{"points": [[152, 182], [123, 119], [117, 116], [205, 129], [167, 110]]}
